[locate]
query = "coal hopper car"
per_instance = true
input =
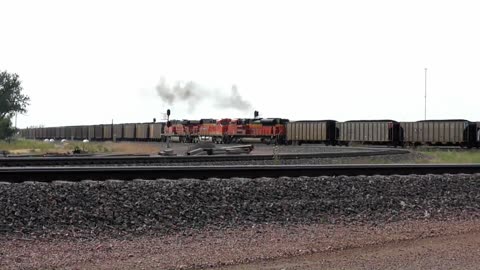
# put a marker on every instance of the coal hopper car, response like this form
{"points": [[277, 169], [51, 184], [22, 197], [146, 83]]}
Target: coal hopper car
{"points": [[440, 132], [375, 132], [315, 131]]}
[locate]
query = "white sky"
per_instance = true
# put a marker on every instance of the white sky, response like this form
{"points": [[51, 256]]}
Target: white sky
{"points": [[88, 62]]}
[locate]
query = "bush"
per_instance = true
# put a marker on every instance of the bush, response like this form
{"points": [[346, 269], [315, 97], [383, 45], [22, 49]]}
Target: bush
{"points": [[6, 130]]}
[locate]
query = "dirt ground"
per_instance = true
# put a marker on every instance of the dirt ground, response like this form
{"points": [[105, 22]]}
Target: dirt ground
{"points": [[444, 252], [151, 148], [416, 244]]}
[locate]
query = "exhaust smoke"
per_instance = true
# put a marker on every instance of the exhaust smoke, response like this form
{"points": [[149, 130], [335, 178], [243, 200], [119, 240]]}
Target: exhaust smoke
{"points": [[193, 94]]}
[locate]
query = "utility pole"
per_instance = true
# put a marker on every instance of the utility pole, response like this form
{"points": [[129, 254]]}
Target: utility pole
{"points": [[112, 131], [425, 93], [168, 128]]}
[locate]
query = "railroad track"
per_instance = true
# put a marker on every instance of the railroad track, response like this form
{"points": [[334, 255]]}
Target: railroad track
{"points": [[49, 174], [106, 160]]}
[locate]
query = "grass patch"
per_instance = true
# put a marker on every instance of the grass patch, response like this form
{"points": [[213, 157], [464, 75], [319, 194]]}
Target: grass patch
{"points": [[452, 156], [90, 147], [26, 146], [23, 146]]}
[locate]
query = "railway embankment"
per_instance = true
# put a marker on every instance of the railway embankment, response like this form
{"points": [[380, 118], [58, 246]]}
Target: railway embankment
{"points": [[160, 207]]}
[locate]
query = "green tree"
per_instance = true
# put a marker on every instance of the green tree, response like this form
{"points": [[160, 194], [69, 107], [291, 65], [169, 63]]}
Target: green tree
{"points": [[6, 129], [11, 101]]}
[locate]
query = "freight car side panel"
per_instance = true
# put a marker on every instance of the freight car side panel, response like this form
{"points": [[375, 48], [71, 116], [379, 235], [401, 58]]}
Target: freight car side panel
{"points": [[117, 131], [43, 133], [478, 132], [107, 132], [307, 131], [85, 131], [57, 133], [128, 131], [141, 131], [50, 133], [77, 133], [69, 132], [91, 132], [98, 132], [155, 131], [365, 131], [437, 132], [62, 133]]}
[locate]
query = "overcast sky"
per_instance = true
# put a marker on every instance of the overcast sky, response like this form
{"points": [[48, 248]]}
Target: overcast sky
{"points": [[88, 62]]}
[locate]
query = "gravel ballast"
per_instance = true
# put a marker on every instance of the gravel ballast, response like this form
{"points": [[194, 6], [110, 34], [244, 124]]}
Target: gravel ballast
{"points": [[380, 159], [165, 206]]}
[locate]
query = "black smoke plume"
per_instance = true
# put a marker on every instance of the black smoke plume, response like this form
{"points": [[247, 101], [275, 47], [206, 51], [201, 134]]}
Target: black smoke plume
{"points": [[193, 94]]}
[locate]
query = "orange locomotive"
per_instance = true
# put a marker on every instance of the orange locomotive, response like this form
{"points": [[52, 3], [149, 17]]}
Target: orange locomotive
{"points": [[265, 130], [214, 130], [182, 130]]}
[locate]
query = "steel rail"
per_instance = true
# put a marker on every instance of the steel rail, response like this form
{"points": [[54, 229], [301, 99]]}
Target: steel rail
{"points": [[89, 160], [48, 174]]}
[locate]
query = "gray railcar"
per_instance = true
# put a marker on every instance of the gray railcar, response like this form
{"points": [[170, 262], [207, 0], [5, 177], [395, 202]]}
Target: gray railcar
{"points": [[319, 131], [98, 135], [440, 132], [77, 133], [51, 132], [155, 131], [369, 132], [69, 132], [107, 132], [58, 133], [42, 134], [91, 132], [478, 133], [85, 132], [128, 131], [141, 131], [117, 132]]}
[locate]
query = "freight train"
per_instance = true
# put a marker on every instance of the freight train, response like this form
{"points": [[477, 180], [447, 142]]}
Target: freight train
{"points": [[459, 132]]}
